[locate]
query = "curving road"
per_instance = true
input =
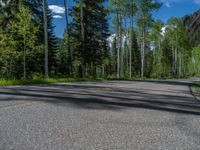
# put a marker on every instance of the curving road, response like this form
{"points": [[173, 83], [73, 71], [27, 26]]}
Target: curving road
{"points": [[108, 115]]}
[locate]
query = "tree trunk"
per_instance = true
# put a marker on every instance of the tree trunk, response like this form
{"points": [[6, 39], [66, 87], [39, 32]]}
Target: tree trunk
{"points": [[82, 35], [46, 38], [143, 50], [120, 49], [131, 46], [24, 57], [130, 63], [68, 38]]}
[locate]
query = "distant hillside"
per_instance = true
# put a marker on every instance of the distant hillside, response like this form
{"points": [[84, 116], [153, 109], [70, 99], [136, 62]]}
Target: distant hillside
{"points": [[192, 24]]}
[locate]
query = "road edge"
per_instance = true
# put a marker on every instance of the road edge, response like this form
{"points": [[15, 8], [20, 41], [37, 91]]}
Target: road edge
{"points": [[195, 94]]}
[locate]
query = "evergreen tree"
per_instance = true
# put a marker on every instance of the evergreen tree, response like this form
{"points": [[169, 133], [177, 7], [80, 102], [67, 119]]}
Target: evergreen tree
{"points": [[53, 47], [8, 9], [135, 55], [95, 34]]}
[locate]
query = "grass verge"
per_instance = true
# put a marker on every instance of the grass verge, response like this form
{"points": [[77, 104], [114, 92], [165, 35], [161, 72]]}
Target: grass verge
{"points": [[45, 81], [196, 90]]}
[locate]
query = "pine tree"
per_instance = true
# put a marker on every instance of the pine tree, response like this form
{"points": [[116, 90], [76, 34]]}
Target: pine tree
{"points": [[91, 52], [8, 10], [67, 34], [53, 47]]}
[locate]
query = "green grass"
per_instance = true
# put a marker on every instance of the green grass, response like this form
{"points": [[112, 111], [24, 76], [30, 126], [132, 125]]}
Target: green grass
{"points": [[196, 87], [45, 81]]}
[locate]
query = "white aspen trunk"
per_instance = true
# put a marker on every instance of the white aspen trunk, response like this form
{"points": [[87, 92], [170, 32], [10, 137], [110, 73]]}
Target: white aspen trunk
{"points": [[24, 57], [173, 64], [130, 62], [143, 51], [125, 49], [176, 50], [118, 48], [131, 47]]}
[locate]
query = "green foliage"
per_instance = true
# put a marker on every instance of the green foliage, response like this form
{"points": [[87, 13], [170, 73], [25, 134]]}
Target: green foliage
{"points": [[8, 9], [53, 46], [91, 53], [140, 47], [194, 64], [19, 42], [180, 45], [191, 22], [196, 88], [45, 81]]}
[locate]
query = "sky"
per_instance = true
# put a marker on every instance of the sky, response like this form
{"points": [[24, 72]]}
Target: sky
{"points": [[170, 8]]}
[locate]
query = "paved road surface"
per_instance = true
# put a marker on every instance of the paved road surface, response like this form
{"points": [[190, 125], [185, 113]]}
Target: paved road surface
{"points": [[109, 115]]}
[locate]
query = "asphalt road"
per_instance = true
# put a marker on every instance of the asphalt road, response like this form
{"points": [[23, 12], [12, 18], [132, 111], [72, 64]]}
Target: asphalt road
{"points": [[108, 115]]}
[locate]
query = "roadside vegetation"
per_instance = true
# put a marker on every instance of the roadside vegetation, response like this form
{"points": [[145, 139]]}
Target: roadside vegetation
{"points": [[196, 88], [45, 81]]}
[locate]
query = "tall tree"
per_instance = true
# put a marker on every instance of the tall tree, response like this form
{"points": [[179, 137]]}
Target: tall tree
{"points": [[82, 35], [156, 36], [20, 47], [69, 56], [180, 45], [53, 45], [131, 8], [91, 47], [145, 8], [117, 9], [45, 38]]}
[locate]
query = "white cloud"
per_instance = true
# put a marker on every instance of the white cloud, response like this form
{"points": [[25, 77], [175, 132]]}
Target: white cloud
{"points": [[197, 2], [168, 3], [57, 9], [57, 17]]}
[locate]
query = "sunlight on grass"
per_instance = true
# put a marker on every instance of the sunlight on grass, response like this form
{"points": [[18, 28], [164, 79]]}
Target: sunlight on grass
{"points": [[45, 81]]}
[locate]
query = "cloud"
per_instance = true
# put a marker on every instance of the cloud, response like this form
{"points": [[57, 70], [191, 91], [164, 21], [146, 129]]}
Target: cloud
{"points": [[197, 2], [168, 3], [57, 17], [57, 9]]}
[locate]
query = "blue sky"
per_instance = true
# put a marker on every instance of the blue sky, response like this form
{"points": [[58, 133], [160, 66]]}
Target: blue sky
{"points": [[170, 8]]}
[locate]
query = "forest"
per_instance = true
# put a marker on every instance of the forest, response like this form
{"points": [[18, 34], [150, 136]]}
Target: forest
{"points": [[117, 40]]}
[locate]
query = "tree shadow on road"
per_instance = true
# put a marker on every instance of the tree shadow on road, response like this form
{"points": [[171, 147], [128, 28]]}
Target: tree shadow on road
{"points": [[104, 98], [170, 82]]}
